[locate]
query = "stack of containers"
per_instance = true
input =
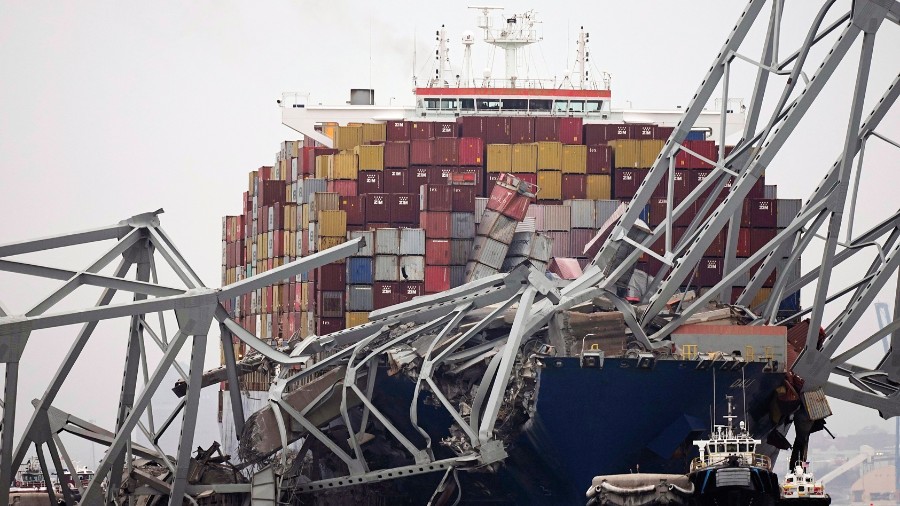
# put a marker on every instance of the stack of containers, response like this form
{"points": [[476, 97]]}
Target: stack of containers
{"points": [[386, 270], [463, 191], [360, 279], [506, 207], [583, 222], [436, 218]]}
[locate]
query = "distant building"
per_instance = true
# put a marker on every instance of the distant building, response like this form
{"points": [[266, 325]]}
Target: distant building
{"points": [[875, 488]]}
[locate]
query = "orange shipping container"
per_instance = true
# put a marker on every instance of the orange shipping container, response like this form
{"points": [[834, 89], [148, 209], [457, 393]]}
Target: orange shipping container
{"points": [[549, 184], [524, 158], [574, 159], [549, 156], [499, 158]]}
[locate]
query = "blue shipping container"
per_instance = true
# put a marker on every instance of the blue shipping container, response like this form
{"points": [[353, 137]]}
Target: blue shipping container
{"points": [[359, 271], [790, 302], [696, 135]]}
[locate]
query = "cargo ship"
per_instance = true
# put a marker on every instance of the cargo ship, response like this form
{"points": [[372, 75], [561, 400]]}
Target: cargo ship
{"points": [[417, 184]]}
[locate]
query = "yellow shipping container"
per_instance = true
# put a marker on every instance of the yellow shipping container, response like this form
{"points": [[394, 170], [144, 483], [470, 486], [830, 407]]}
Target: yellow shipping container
{"points": [[322, 164], [328, 128], [574, 159], [599, 187], [549, 185], [325, 242], [304, 217], [251, 182], [549, 156], [304, 325], [347, 137], [342, 166], [370, 157], [649, 151], [373, 132], [332, 224], [304, 296], [762, 295], [524, 157], [627, 153], [499, 158], [354, 318]]}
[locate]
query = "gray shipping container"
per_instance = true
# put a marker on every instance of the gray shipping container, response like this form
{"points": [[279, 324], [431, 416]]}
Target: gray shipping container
{"points": [[387, 268], [521, 244], [541, 248], [510, 263], [582, 213], [556, 219], [528, 224], [788, 209], [323, 201], [480, 206], [462, 225], [460, 250], [387, 241], [412, 241], [489, 252], [457, 275], [770, 191], [309, 186], [560, 248], [359, 297], [412, 268], [369, 237], [604, 211], [475, 271], [497, 226]]}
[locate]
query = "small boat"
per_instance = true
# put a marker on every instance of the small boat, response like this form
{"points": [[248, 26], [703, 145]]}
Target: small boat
{"points": [[729, 471], [801, 488]]}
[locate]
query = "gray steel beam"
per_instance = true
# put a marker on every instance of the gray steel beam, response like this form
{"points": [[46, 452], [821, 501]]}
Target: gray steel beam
{"points": [[72, 469], [46, 472], [60, 473], [59, 241], [189, 422], [234, 387], [10, 388], [87, 278]]}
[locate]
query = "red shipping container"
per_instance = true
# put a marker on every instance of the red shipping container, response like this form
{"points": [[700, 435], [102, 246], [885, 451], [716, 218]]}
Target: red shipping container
{"points": [[717, 246], [470, 126], [369, 181], [546, 128], [663, 133], [437, 251], [330, 303], [570, 130], [643, 132], [385, 294], [396, 131], [445, 129], [421, 152], [709, 271], [444, 151], [595, 135], [343, 187], [506, 200], [707, 149], [410, 289], [436, 224], [355, 207], [627, 181], [759, 237], [396, 155], [470, 151], [521, 130], [404, 208], [493, 177], [418, 176], [378, 208], [743, 245], [760, 213], [574, 186], [496, 130], [309, 158], [599, 160], [437, 278], [278, 243], [578, 239], [271, 192], [438, 175], [421, 130], [325, 326], [462, 198], [436, 197], [682, 187], [471, 176], [395, 181]]}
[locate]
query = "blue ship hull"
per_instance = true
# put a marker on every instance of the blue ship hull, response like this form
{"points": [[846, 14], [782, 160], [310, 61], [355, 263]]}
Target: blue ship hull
{"points": [[592, 421]]}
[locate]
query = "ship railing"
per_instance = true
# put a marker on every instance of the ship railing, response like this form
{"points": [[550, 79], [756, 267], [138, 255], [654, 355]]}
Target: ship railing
{"points": [[756, 461]]}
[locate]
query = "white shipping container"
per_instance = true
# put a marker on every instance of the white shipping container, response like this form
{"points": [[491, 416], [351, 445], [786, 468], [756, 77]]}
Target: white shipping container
{"points": [[788, 209], [528, 224], [369, 237], [359, 298], [475, 271], [497, 226], [541, 248], [556, 219], [412, 268], [387, 267], [480, 206], [604, 211], [582, 213], [412, 241], [462, 225], [490, 252], [387, 241], [536, 211]]}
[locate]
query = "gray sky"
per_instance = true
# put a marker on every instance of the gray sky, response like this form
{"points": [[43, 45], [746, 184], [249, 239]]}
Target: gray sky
{"points": [[109, 109]]}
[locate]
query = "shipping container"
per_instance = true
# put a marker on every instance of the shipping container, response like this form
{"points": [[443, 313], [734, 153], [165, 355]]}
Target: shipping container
{"points": [[549, 156], [470, 151], [378, 208], [325, 242], [445, 129], [437, 224], [582, 213], [489, 252], [546, 128], [395, 181], [524, 158], [355, 209], [457, 275], [627, 182], [369, 182], [436, 198], [578, 240], [412, 241], [707, 149], [759, 237], [373, 132], [598, 160], [499, 158], [410, 290], [438, 251], [462, 225], [462, 198], [404, 209], [387, 267], [788, 209], [418, 176], [385, 294], [412, 268], [387, 241], [470, 126], [475, 271], [709, 271], [396, 131], [497, 226], [356, 318], [330, 304], [359, 272], [438, 175], [325, 326], [598, 187], [396, 155], [574, 186], [556, 218], [460, 250], [343, 187], [332, 223], [521, 130], [325, 201], [770, 191], [496, 130], [347, 137], [510, 196], [549, 183], [570, 130], [560, 244], [574, 159], [371, 157], [437, 278], [445, 152], [760, 213], [421, 130], [480, 206], [682, 185], [368, 237]]}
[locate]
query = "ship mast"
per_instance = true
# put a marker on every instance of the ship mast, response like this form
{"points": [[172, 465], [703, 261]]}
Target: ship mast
{"points": [[442, 57], [582, 58], [519, 32]]}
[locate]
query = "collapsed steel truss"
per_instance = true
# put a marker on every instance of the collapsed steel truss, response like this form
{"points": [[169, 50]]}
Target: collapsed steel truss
{"points": [[438, 318]]}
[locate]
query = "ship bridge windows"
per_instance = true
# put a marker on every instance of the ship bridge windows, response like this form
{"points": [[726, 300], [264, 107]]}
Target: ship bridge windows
{"points": [[448, 104], [576, 105], [561, 106], [732, 448], [593, 106], [467, 104], [432, 104], [515, 104], [540, 105], [489, 104]]}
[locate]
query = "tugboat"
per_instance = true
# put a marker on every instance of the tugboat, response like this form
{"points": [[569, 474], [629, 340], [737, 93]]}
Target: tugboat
{"points": [[801, 488], [729, 471]]}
